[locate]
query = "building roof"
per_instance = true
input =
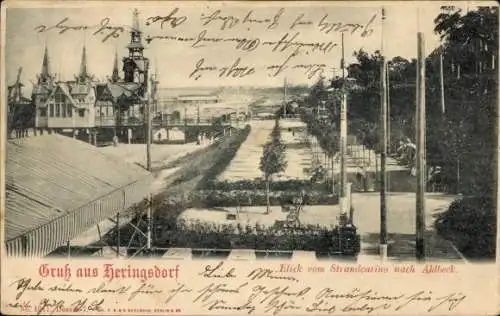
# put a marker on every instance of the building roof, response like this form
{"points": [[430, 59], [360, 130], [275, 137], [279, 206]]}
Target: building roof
{"points": [[79, 88], [53, 181], [197, 97], [123, 88], [41, 89], [135, 45], [65, 88]]}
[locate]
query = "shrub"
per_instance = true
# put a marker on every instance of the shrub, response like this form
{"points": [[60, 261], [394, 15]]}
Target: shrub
{"points": [[227, 153], [196, 234], [470, 223], [206, 235], [218, 198]]}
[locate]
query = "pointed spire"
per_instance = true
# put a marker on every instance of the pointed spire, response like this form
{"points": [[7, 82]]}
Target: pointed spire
{"points": [[45, 74], [135, 47], [83, 66], [135, 22], [115, 77]]}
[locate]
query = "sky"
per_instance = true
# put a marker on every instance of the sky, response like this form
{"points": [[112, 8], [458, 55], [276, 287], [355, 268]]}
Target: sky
{"points": [[174, 60]]}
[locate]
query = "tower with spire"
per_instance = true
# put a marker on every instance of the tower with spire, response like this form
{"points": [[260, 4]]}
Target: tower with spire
{"points": [[45, 77], [84, 76], [135, 65], [115, 77], [44, 84]]}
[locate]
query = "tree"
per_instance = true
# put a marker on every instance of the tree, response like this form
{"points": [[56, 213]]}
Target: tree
{"points": [[176, 116], [276, 132], [368, 135], [273, 161], [217, 126], [464, 135]]}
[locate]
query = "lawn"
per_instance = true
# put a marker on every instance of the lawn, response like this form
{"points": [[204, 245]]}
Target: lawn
{"points": [[245, 165], [161, 155], [400, 213]]}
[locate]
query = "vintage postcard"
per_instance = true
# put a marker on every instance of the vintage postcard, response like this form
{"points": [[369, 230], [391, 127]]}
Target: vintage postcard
{"points": [[249, 158]]}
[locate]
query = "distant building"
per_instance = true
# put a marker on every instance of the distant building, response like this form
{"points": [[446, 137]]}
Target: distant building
{"points": [[197, 99], [191, 106]]}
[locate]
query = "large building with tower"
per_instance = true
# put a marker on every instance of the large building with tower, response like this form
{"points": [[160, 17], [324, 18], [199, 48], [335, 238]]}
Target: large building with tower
{"points": [[85, 103]]}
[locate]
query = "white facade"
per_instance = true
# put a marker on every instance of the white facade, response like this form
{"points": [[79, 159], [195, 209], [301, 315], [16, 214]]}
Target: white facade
{"points": [[68, 105]]}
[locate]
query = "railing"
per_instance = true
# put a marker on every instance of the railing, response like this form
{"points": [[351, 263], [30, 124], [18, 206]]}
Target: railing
{"points": [[43, 239], [105, 121], [179, 122]]}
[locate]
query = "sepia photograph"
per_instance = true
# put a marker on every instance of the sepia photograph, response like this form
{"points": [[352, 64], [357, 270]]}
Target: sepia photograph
{"points": [[265, 131]]}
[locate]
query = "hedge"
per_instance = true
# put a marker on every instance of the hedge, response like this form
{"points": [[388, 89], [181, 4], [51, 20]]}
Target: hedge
{"points": [[260, 184], [218, 198], [226, 155], [206, 160], [228, 236]]}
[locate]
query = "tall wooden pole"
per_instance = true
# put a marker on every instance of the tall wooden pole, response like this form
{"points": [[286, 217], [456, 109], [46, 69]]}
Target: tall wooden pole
{"points": [[388, 86], [383, 152], [343, 138], [421, 166], [118, 241], [198, 114], [166, 120], [151, 97], [150, 221], [185, 125], [441, 82], [148, 128], [443, 109], [389, 147], [333, 174], [284, 99]]}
